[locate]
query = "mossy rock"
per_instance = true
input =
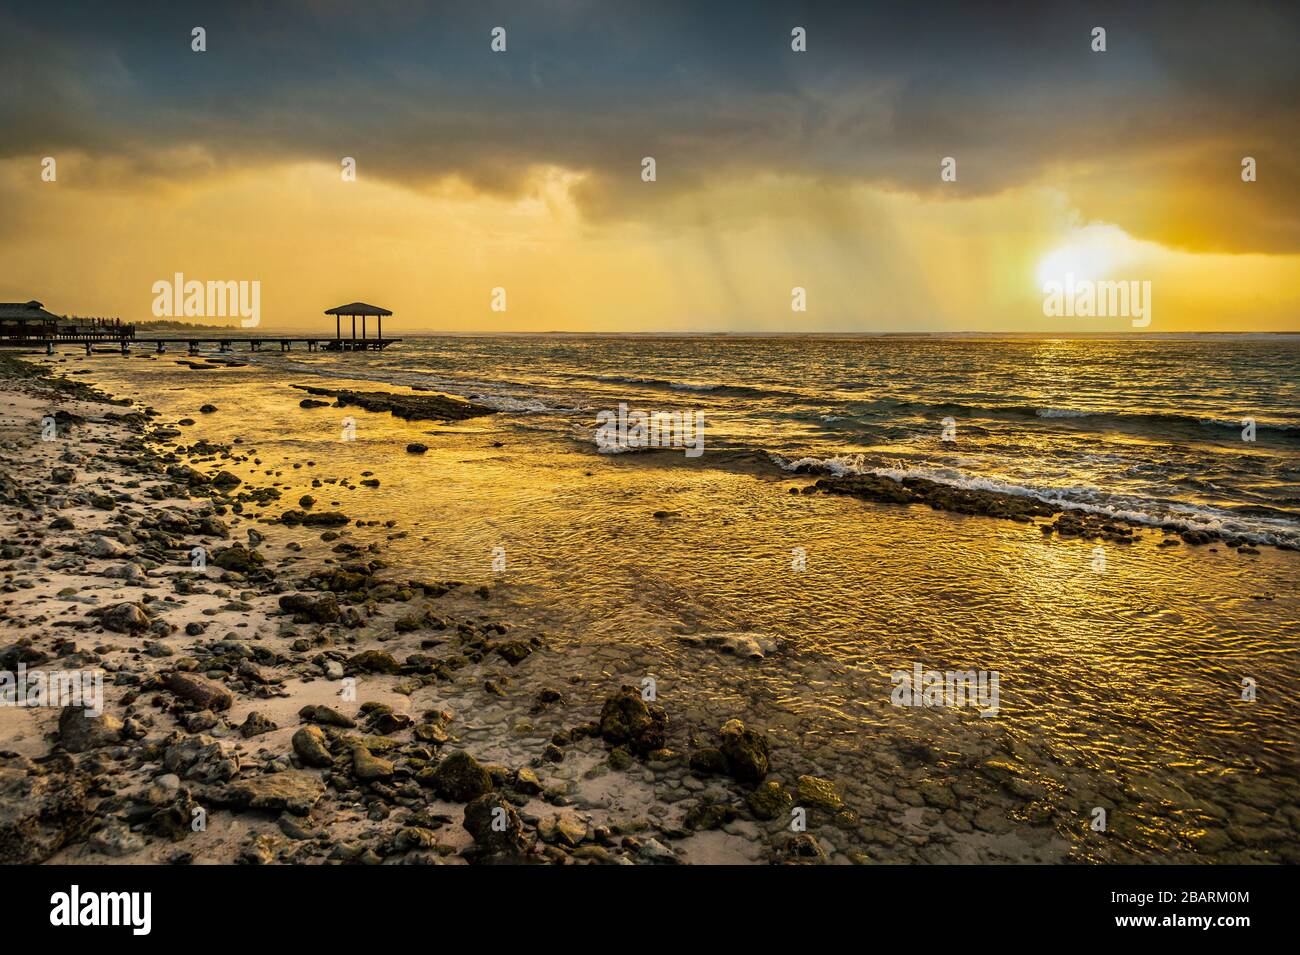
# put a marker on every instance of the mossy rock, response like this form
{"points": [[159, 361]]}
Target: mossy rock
{"points": [[460, 778], [769, 800], [815, 792]]}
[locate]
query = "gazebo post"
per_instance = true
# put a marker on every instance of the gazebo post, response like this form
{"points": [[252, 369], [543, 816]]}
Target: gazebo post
{"points": [[366, 311]]}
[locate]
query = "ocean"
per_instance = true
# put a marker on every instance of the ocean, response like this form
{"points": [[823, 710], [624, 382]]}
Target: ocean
{"points": [[1201, 431]]}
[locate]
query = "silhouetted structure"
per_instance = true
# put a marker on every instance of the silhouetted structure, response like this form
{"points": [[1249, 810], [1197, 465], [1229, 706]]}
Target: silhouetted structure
{"points": [[364, 311], [25, 324], [28, 323]]}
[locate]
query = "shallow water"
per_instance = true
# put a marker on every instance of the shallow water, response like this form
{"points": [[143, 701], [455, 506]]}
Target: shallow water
{"points": [[1126, 671]]}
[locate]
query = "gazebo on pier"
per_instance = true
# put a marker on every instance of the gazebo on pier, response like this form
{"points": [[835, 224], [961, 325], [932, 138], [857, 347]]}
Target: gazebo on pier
{"points": [[353, 311]]}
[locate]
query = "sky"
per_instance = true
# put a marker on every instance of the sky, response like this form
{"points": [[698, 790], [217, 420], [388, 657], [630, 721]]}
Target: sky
{"points": [[775, 169]]}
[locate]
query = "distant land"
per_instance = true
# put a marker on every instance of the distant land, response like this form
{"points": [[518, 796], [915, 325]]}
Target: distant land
{"points": [[171, 324]]}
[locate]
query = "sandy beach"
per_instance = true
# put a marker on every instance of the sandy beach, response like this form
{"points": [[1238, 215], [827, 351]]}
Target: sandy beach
{"points": [[307, 694]]}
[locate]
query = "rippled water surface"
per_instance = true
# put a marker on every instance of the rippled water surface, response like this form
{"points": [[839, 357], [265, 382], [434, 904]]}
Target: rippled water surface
{"points": [[1144, 427]]}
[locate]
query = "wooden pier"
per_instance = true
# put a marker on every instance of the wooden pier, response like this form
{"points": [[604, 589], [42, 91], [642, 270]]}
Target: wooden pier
{"points": [[27, 325], [255, 344], [193, 346]]}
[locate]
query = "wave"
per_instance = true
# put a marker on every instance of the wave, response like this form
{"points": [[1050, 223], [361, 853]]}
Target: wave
{"points": [[1151, 420], [1086, 498], [1061, 413], [715, 388]]}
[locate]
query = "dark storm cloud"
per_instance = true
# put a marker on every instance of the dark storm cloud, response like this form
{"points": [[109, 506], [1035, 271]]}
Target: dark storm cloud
{"points": [[710, 89]]}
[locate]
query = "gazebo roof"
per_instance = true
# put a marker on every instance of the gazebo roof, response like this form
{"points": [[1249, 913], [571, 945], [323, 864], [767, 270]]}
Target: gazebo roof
{"points": [[31, 311], [358, 308]]}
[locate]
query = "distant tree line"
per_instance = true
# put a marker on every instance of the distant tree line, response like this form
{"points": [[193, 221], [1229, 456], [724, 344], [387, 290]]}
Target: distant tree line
{"points": [[171, 324], [160, 324]]}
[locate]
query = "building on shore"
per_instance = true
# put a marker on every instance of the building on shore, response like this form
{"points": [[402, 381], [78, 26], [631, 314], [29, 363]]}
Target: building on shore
{"points": [[30, 322]]}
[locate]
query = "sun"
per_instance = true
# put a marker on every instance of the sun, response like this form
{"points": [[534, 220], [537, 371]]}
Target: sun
{"points": [[1089, 253]]}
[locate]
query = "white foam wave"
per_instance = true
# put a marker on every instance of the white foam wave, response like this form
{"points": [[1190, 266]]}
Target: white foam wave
{"points": [[1084, 498]]}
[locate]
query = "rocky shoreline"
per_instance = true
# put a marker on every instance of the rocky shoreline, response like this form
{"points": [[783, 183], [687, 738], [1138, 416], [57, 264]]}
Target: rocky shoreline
{"points": [[260, 706], [406, 407], [1057, 519]]}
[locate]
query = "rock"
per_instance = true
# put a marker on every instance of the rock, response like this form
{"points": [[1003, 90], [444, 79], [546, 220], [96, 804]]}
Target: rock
{"points": [[564, 829], [708, 761], [200, 758], [309, 746], [226, 479], [366, 766], [39, 815], [79, 731], [62, 475], [106, 547], [526, 782], [938, 794], [207, 409], [626, 720], [746, 752], [709, 816], [415, 447], [813, 791], [769, 800], [130, 572], [751, 646], [322, 609], [375, 661], [116, 840], [293, 790], [431, 733], [346, 581], [323, 519], [238, 558], [326, 715], [803, 849], [252, 673], [513, 652], [495, 826], [460, 778], [199, 721], [199, 690], [255, 724], [407, 407], [654, 851], [414, 837], [386, 723], [125, 618], [261, 851]]}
